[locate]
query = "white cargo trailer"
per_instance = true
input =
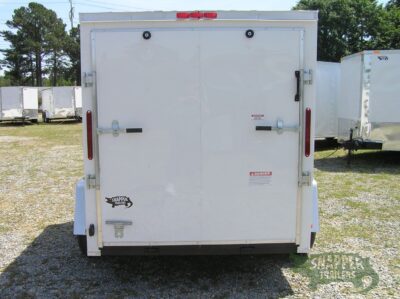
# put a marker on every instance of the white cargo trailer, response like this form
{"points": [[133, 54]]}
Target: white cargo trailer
{"points": [[18, 103], [198, 133], [61, 102], [369, 102], [328, 89]]}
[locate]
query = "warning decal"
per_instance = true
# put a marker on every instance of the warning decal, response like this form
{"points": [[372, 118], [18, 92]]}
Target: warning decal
{"points": [[260, 177], [257, 116]]}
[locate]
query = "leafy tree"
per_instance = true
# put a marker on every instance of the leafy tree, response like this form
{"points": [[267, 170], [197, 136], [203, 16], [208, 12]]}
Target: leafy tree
{"points": [[36, 33], [346, 26], [4, 81], [73, 51], [391, 32]]}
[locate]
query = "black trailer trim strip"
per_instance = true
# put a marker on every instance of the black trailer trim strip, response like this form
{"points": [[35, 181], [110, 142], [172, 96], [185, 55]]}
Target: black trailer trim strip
{"points": [[232, 249]]}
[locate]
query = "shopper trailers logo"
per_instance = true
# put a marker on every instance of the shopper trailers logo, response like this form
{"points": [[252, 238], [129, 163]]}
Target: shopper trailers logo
{"points": [[119, 201], [326, 268]]}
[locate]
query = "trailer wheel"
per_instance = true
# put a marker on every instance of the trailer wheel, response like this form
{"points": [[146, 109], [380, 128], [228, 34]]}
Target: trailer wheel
{"points": [[312, 241], [82, 242]]}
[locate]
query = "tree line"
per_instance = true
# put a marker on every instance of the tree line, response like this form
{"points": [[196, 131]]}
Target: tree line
{"points": [[42, 52], [350, 26]]}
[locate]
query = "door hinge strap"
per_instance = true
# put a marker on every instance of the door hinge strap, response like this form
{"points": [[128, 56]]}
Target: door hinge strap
{"points": [[88, 79], [91, 181], [305, 179], [308, 77]]}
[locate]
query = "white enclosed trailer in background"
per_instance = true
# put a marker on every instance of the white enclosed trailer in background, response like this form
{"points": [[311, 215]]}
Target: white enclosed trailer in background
{"points": [[61, 102], [198, 133], [18, 103], [369, 102], [328, 90]]}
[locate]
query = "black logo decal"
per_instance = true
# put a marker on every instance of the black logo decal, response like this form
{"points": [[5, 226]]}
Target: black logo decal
{"points": [[119, 201], [383, 58]]}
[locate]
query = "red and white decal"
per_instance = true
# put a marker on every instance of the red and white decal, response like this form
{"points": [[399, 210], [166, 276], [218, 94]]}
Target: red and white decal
{"points": [[257, 116], [260, 177]]}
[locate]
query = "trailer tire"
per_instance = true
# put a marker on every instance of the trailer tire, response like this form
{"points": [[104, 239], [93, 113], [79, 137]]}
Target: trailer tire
{"points": [[82, 242], [312, 240]]}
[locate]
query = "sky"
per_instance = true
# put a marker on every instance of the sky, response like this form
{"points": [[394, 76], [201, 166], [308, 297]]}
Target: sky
{"points": [[62, 7]]}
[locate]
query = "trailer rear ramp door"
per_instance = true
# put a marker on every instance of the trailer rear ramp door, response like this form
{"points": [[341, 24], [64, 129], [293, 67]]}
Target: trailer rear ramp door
{"points": [[198, 135]]}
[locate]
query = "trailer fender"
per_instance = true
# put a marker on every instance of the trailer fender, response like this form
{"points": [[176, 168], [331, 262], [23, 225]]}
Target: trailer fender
{"points": [[79, 217], [315, 220]]}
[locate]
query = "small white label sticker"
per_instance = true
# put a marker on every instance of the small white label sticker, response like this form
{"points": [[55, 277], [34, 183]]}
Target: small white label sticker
{"points": [[260, 177]]}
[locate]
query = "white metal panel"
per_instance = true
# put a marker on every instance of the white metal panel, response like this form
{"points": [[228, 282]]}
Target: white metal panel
{"points": [[270, 16], [384, 104], [248, 82], [59, 102], [133, 21], [349, 103], [78, 97], [47, 100], [12, 106], [63, 97], [328, 90], [30, 98], [156, 88]]}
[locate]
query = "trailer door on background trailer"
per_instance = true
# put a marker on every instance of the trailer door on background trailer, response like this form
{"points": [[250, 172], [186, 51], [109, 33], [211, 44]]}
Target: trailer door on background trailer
{"points": [[30, 96], [12, 105], [202, 162]]}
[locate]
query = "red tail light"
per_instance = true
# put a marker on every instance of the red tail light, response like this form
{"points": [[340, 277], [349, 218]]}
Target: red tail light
{"points": [[196, 15], [183, 15], [210, 15], [307, 147], [89, 134]]}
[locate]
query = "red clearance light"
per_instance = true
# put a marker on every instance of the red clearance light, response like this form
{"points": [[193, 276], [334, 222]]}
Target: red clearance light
{"points": [[307, 146], [89, 134], [196, 15], [183, 15], [210, 15]]}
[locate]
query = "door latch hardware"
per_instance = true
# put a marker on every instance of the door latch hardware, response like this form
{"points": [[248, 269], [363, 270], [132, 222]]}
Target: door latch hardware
{"points": [[297, 95], [90, 181], [116, 130], [305, 179], [279, 128], [119, 226]]}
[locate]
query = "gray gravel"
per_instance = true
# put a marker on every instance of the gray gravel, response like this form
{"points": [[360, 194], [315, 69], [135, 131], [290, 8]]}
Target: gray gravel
{"points": [[39, 256]]}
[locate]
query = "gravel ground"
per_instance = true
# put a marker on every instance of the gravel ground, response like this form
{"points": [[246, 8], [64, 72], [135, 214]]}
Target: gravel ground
{"points": [[39, 257]]}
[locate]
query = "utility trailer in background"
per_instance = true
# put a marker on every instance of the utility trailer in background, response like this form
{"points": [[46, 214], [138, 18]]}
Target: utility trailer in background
{"points": [[327, 80], [198, 133], [18, 104], [61, 102], [369, 102]]}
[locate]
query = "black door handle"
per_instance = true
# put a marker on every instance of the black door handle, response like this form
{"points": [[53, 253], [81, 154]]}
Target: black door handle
{"points": [[263, 128], [297, 96], [134, 130]]}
